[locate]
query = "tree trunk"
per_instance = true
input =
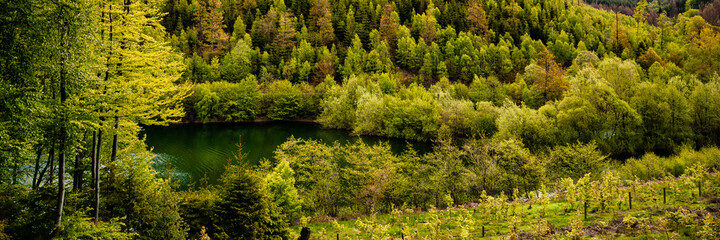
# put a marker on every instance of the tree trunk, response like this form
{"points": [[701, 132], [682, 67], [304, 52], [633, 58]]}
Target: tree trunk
{"points": [[61, 182], [78, 175], [52, 169], [37, 169], [51, 159], [97, 176], [93, 154], [113, 154], [15, 173], [63, 133]]}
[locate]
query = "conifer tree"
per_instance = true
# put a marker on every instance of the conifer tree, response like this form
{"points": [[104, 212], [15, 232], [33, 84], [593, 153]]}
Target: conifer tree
{"points": [[478, 18], [321, 25], [389, 26], [284, 41], [141, 71], [246, 211], [551, 81], [209, 16]]}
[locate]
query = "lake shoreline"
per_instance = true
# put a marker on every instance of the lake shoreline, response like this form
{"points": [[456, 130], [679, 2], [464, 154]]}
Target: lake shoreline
{"points": [[256, 120], [302, 120], [202, 150]]}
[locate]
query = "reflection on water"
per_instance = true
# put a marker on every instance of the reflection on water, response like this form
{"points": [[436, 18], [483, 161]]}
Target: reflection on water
{"points": [[198, 153]]}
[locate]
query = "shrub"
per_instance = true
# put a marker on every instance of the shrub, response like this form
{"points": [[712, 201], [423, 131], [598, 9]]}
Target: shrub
{"points": [[575, 161], [227, 101], [283, 100], [520, 122], [245, 211]]}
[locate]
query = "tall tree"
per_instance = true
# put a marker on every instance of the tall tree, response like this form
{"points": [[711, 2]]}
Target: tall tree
{"points": [[640, 13], [389, 25], [551, 81], [209, 16], [141, 72], [285, 38], [478, 18], [321, 27]]}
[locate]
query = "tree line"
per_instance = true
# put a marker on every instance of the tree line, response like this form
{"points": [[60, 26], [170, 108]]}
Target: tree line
{"points": [[80, 78], [77, 79]]}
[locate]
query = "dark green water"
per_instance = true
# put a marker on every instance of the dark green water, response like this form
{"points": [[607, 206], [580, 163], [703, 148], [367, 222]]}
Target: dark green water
{"points": [[198, 153]]}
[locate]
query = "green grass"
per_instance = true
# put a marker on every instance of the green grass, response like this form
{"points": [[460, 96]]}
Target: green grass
{"points": [[532, 217]]}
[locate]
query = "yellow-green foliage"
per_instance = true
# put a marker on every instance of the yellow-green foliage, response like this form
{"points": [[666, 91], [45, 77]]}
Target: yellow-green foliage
{"points": [[676, 219], [227, 101], [651, 166]]}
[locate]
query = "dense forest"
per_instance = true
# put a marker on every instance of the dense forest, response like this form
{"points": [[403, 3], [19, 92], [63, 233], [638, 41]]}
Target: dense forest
{"points": [[521, 98]]}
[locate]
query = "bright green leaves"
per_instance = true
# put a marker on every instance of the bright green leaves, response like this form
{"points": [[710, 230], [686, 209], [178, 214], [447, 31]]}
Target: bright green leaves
{"points": [[227, 101], [142, 70], [593, 111], [280, 184], [575, 160], [316, 173], [238, 64], [536, 130], [705, 109]]}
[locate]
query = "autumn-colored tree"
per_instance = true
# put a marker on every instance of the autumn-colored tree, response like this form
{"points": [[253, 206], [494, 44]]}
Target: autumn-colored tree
{"points": [[478, 18], [321, 29], [705, 54], [648, 58], [209, 16], [325, 65], [389, 25], [245, 10], [285, 38], [711, 13], [620, 38], [551, 81]]}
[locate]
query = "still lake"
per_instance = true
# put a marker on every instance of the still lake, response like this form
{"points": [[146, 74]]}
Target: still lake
{"points": [[196, 154]]}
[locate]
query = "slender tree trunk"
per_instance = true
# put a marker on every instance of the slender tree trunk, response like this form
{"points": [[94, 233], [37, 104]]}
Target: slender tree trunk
{"points": [[61, 183], [63, 134], [79, 171], [51, 159], [98, 146], [97, 176], [113, 154], [37, 168], [15, 172], [52, 169], [93, 154]]}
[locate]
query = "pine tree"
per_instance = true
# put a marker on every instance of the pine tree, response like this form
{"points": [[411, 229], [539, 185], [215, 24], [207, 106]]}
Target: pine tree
{"points": [[285, 38], [321, 26], [209, 16], [389, 25], [141, 68], [245, 211], [280, 184], [478, 19]]}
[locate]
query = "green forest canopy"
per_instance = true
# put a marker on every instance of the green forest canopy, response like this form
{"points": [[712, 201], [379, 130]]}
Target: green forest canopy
{"points": [[538, 81]]}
